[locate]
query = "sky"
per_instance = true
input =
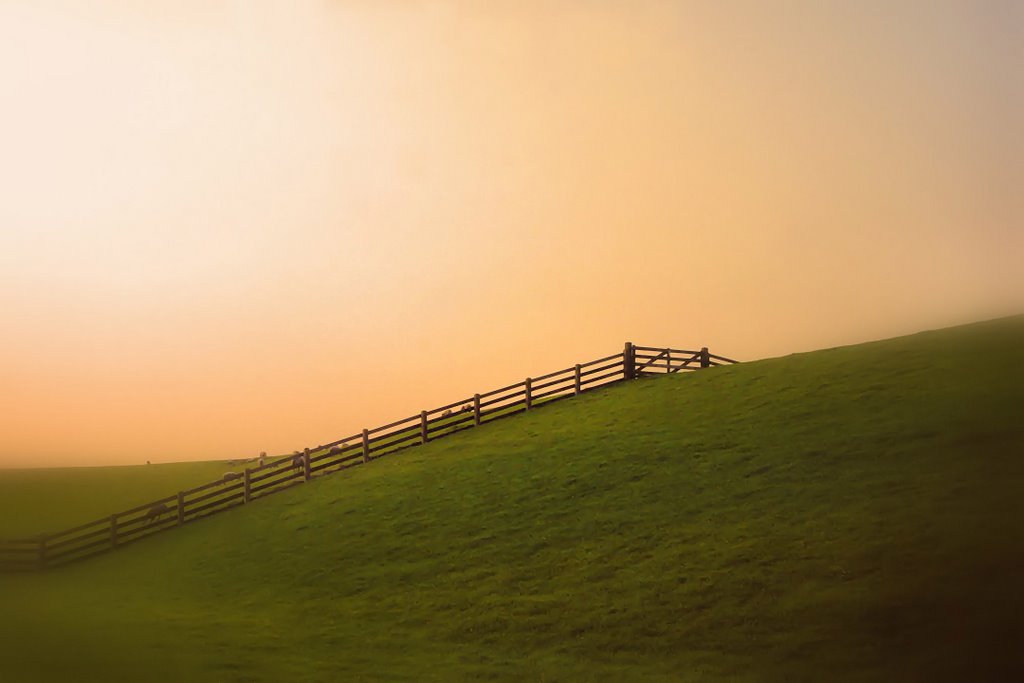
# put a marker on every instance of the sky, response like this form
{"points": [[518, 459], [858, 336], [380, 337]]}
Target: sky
{"points": [[234, 227]]}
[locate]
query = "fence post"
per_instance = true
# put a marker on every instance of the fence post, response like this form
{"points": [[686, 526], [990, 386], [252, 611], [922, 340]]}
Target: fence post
{"points": [[423, 427], [577, 387], [529, 393], [705, 362], [246, 485], [305, 463], [181, 500], [366, 445], [42, 551], [629, 362], [113, 531], [476, 409]]}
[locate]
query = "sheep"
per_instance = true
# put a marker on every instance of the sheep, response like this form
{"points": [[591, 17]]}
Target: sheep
{"points": [[263, 458], [447, 413], [465, 409], [298, 460], [335, 450], [156, 512], [231, 476]]}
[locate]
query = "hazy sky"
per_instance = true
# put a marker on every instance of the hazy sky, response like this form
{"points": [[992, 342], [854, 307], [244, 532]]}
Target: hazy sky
{"points": [[228, 227]]}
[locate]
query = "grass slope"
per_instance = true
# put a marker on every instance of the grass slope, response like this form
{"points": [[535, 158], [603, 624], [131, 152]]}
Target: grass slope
{"points": [[849, 514]]}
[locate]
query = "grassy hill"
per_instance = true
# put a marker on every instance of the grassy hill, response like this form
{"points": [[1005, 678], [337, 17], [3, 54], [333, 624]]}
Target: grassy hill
{"points": [[851, 514]]}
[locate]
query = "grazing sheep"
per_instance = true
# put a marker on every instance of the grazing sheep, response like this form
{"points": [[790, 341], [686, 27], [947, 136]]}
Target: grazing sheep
{"points": [[335, 450], [156, 512], [465, 409], [231, 476], [447, 413], [298, 461]]}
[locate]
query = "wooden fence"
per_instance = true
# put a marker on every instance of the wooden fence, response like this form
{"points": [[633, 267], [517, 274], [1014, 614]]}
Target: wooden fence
{"points": [[128, 526]]}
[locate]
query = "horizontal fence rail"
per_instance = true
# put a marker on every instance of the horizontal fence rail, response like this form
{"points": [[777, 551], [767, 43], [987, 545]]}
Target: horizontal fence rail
{"points": [[272, 475]]}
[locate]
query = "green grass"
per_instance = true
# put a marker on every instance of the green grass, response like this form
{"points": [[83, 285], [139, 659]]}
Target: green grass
{"points": [[851, 514], [34, 501]]}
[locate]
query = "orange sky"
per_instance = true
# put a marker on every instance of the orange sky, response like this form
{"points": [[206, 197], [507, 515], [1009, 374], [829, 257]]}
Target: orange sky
{"points": [[228, 227]]}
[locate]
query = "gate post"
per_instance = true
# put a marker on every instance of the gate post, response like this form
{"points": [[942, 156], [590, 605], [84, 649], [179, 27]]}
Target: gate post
{"points": [[705, 361], [629, 361]]}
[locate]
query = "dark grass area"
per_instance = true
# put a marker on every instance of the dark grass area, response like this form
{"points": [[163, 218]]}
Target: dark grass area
{"points": [[849, 514]]}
